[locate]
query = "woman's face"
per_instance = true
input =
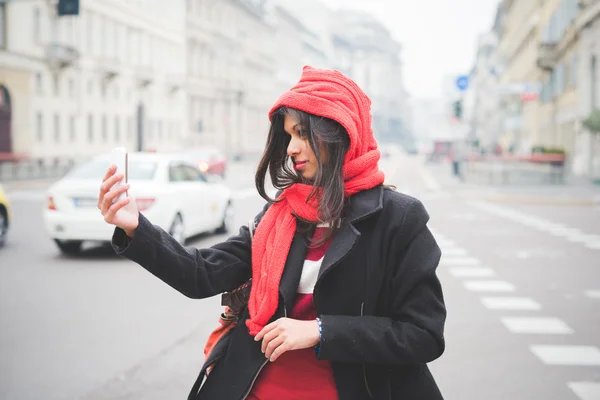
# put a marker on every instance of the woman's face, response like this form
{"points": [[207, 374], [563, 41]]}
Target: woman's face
{"points": [[302, 155]]}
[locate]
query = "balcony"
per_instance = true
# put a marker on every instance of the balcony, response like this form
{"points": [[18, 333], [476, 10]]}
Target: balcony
{"points": [[144, 76], [60, 56], [109, 68], [547, 56]]}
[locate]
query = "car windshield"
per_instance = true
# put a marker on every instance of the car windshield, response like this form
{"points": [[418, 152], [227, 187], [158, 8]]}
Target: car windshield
{"points": [[137, 171]]}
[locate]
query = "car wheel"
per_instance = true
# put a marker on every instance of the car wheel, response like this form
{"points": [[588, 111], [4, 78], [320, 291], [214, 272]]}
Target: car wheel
{"points": [[69, 246], [228, 219], [177, 229], [3, 227]]}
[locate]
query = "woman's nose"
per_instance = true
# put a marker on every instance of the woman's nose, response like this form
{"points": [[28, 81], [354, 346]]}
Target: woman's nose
{"points": [[293, 148]]}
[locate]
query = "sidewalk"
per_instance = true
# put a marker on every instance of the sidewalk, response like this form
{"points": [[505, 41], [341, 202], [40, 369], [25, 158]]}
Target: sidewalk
{"points": [[575, 191], [38, 184]]}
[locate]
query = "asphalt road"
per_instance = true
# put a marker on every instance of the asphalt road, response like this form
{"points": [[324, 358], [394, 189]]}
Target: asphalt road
{"points": [[519, 281]]}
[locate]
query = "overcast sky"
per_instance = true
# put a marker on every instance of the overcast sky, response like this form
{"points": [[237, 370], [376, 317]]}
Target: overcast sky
{"points": [[438, 36]]}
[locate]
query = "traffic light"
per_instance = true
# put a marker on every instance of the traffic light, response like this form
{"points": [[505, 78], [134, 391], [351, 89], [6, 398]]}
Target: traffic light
{"points": [[457, 108], [68, 7]]}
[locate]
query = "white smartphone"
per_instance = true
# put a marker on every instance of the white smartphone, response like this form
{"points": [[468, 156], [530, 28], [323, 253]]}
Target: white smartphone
{"points": [[118, 157]]}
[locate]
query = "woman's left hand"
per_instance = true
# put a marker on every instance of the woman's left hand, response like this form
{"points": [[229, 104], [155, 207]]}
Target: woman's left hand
{"points": [[287, 334]]}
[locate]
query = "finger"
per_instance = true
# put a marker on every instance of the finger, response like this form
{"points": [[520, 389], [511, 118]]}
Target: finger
{"points": [[109, 172], [267, 339], [112, 211], [107, 185], [111, 196], [273, 346], [265, 330], [279, 352]]}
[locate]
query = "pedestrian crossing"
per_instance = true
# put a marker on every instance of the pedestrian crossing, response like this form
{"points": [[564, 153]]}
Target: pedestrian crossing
{"points": [[521, 315], [590, 241]]}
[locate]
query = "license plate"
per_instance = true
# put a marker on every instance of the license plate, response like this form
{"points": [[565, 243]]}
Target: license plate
{"points": [[82, 202]]}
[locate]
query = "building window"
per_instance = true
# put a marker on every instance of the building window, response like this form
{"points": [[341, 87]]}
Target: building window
{"points": [[39, 83], [117, 130], [573, 77], [90, 87], [593, 82], [39, 127], [72, 88], [37, 28], [2, 25], [159, 129], [104, 129], [90, 128], [130, 128], [56, 85], [56, 128], [72, 129]]}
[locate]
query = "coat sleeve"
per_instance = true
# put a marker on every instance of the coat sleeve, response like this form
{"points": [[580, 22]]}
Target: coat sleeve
{"points": [[414, 331], [196, 273]]}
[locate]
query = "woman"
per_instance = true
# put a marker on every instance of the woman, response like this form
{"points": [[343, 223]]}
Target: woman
{"points": [[345, 302]]}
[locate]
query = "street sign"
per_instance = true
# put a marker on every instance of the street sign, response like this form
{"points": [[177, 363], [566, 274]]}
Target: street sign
{"points": [[462, 82]]}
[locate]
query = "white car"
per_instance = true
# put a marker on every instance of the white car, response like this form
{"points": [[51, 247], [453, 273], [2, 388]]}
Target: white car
{"points": [[168, 190]]}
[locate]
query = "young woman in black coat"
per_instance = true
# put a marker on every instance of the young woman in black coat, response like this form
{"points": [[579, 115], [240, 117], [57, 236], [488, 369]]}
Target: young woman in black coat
{"points": [[345, 302]]}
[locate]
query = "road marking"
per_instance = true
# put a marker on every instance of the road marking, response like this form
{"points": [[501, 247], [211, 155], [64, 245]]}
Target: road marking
{"points": [[593, 294], [536, 325], [453, 251], [544, 225], [472, 272], [567, 355], [459, 261], [489, 286], [586, 390], [593, 246], [510, 303]]}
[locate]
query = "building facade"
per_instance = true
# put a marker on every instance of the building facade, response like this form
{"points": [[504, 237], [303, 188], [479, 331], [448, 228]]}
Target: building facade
{"points": [[229, 73], [369, 55], [518, 51], [483, 111], [587, 151], [80, 85]]}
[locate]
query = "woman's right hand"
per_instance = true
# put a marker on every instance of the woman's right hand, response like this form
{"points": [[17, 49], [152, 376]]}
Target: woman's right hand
{"points": [[123, 213]]}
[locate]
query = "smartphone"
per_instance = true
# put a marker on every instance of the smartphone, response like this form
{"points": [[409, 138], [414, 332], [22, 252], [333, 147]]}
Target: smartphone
{"points": [[118, 157]]}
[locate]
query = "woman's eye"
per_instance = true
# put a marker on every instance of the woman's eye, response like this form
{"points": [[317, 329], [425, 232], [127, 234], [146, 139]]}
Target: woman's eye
{"points": [[302, 133]]}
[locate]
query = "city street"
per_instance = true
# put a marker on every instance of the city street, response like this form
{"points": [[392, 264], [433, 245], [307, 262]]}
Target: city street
{"points": [[521, 282]]}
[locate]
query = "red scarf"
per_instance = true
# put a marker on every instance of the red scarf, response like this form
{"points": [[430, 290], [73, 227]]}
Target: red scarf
{"points": [[330, 94]]}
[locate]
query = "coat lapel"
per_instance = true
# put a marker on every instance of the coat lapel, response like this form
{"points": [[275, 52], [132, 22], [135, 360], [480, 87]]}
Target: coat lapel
{"points": [[360, 206], [293, 270]]}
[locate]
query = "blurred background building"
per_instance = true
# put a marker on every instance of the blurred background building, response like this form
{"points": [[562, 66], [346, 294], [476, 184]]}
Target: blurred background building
{"points": [[198, 72], [76, 85], [535, 80]]}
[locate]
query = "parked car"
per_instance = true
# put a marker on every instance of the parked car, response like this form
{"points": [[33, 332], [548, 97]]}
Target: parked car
{"points": [[5, 216], [168, 190], [208, 159]]}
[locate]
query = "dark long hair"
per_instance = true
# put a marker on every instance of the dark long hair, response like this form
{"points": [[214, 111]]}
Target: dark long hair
{"points": [[325, 136]]}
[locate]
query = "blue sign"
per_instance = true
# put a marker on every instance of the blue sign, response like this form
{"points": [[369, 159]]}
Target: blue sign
{"points": [[462, 82]]}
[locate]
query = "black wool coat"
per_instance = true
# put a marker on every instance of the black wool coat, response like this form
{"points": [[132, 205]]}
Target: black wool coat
{"points": [[377, 294]]}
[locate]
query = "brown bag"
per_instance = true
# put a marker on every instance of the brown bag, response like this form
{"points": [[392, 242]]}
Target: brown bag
{"points": [[235, 303]]}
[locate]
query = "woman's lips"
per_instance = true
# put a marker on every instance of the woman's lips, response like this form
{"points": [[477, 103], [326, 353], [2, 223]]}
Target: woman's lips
{"points": [[299, 165]]}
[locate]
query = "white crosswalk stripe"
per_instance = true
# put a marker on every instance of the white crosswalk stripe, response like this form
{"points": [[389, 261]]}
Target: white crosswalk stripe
{"points": [[567, 355], [536, 325], [510, 303], [586, 390], [489, 286]]}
